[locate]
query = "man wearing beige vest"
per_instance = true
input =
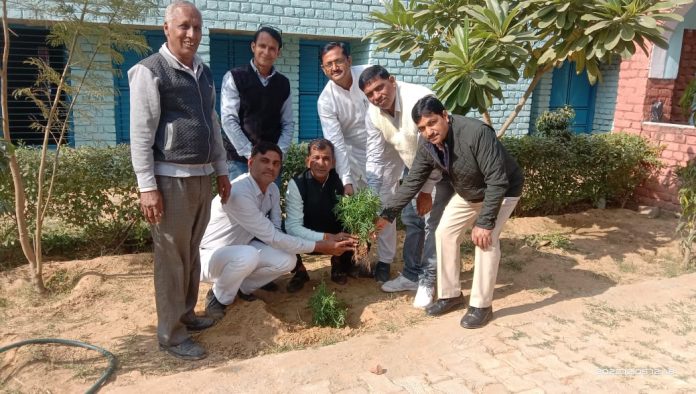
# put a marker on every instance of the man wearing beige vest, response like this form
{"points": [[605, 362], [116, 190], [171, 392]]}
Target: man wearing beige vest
{"points": [[392, 143]]}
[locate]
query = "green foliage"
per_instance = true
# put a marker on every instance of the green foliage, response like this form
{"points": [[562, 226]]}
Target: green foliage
{"points": [[94, 194], [688, 102], [6, 150], [293, 164], [588, 168], [327, 309], [556, 124], [475, 45], [553, 240], [687, 222], [358, 213]]}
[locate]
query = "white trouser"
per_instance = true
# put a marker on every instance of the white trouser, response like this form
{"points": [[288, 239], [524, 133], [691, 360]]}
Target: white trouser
{"points": [[386, 242], [457, 217], [243, 267]]}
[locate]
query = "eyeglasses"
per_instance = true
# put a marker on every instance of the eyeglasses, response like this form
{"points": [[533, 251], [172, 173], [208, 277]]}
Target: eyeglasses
{"points": [[337, 62]]}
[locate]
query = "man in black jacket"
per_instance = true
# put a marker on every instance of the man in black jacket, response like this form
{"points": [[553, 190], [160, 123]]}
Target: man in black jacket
{"points": [[488, 184]]}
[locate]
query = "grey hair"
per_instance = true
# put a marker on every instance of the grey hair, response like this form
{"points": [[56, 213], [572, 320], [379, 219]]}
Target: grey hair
{"points": [[169, 11]]}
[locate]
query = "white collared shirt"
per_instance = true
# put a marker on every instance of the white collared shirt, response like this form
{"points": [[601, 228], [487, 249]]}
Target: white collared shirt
{"points": [[342, 116], [250, 214]]}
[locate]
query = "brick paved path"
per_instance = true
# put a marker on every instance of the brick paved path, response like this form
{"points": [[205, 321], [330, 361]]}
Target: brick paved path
{"points": [[632, 338]]}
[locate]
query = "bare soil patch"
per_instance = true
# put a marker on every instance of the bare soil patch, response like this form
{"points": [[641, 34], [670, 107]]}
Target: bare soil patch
{"points": [[109, 301]]}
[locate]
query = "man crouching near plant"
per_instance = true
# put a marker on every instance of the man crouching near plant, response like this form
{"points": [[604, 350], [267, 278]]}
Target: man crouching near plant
{"points": [[310, 201], [488, 184], [243, 247]]}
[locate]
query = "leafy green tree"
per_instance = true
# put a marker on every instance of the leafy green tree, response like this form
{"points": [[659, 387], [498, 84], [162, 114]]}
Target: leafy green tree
{"points": [[475, 45], [89, 31]]}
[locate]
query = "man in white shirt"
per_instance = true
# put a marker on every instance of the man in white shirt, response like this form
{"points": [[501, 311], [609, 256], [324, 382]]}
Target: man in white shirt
{"points": [[342, 107], [251, 218], [392, 138]]}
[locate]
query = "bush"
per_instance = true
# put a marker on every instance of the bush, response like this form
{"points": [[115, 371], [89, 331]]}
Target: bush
{"points": [[327, 309], [687, 222], [556, 124], [94, 197], [595, 169], [293, 164]]}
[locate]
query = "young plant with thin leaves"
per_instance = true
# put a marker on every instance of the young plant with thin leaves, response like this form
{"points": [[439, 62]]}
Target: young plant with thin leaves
{"points": [[327, 309], [358, 214], [687, 222]]}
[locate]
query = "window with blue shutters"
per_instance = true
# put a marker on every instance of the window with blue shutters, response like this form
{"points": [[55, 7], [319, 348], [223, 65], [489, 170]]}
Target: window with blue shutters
{"points": [[155, 39], [28, 43], [312, 81], [226, 53], [569, 88]]}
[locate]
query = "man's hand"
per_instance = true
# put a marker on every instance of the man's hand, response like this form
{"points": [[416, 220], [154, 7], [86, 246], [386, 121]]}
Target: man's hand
{"points": [[339, 237], [481, 237], [348, 189], [152, 206], [224, 187], [424, 203], [335, 248]]}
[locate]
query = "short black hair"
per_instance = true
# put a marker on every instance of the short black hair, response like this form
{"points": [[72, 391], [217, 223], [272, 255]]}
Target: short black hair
{"points": [[273, 32], [371, 73], [427, 105], [334, 44], [264, 146], [320, 144]]}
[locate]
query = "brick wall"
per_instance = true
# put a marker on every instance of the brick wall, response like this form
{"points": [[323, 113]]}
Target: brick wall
{"points": [[605, 99], [687, 72], [632, 93], [679, 143]]}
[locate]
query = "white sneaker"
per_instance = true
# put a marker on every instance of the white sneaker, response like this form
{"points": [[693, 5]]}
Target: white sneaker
{"points": [[424, 297], [400, 283]]}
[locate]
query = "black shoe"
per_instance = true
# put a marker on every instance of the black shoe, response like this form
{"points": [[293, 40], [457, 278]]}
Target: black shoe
{"points": [[214, 308], [444, 305], [339, 271], [382, 272], [186, 350], [200, 324], [297, 281], [270, 286], [476, 317], [246, 297], [360, 271]]}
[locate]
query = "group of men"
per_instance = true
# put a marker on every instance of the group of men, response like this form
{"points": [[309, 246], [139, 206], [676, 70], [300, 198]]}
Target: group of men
{"points": [[441, 173]]}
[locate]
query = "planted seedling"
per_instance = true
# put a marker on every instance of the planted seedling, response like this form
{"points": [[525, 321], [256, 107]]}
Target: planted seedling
{"points": [[358, 214]]}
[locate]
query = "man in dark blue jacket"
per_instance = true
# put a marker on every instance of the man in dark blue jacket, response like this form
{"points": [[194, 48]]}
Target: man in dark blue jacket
{"points": [[488, 184]]}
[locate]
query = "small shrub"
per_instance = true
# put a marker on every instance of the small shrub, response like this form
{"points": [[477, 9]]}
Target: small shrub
{"points": [[686, 228], [327, 309], [358, 214], [293, 164], [587, 169], [556, 124]]}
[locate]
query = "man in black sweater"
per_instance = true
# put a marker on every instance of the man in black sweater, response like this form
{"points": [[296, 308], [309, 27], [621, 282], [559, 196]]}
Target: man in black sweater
{"points": [[488, 184]]}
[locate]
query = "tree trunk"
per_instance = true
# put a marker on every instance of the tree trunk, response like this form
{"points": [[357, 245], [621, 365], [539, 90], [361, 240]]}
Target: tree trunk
{"points": [[17, 182], [520, 104]]}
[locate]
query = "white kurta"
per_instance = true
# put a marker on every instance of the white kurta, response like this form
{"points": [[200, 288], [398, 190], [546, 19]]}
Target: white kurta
{"points": [[342, 115]]}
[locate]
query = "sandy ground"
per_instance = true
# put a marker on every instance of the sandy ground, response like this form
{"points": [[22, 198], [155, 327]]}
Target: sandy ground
{"points": [[109, 301]]}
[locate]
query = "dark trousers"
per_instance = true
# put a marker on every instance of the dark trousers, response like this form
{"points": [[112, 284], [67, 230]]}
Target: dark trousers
{"points": [[177, 261]]}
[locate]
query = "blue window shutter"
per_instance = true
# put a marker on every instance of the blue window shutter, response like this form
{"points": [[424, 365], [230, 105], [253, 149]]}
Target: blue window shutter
{"points": [[155, 39], [312, 82], [569, 88], [226, 53]]}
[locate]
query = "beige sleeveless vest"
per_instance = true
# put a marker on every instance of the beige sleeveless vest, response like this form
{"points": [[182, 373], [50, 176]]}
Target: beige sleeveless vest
{"points": [[404, 138]]}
